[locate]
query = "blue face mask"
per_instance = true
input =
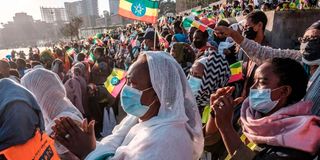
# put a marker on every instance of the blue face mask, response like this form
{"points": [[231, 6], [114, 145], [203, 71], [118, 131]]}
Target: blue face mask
{"points": [[195, 84], [260, 100], [145, 48], [131, 101]]}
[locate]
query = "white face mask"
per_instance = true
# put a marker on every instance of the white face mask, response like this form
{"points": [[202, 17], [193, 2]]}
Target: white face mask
{"points": [[195, 84], [260, 100]]}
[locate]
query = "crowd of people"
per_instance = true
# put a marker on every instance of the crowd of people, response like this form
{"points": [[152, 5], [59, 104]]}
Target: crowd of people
{"points": [[218, 92]]}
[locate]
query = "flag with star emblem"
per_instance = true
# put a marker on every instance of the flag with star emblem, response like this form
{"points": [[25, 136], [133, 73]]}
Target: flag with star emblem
{"points": [[115, 81], [141, 10]]}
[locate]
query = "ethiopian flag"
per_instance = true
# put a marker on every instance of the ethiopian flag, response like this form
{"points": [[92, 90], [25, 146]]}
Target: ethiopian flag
{"points": [[141, 10], [190, 21], [236, 72], [71, 52], [115, 81]]}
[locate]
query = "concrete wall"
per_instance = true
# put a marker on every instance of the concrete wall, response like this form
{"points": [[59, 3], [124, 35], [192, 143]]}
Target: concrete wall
{"points": [[284, 27], [289, 25]]}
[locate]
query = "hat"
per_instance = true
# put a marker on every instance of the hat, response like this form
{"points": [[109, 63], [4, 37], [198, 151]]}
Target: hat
{"points": [[149, 35]]}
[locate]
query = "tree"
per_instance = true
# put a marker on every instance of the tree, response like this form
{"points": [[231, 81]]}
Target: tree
{"points": [[167, 7], [71, 29], [66, 30]]}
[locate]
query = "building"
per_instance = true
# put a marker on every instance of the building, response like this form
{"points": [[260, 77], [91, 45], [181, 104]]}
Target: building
{"points": [[73, 9], [100, 22], [104, 20], [90, 7], [85, 9], [90, 12], [23, 31], [22, 18], [53, 15], [114, 6]]}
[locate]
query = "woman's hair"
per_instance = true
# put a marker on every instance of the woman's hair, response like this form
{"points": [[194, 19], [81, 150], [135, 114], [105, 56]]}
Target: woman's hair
{"points": [[177, 26], [169, 38], [35, 63], [204, 34], [58, 51], [223, 23], [291, 73], [258, 16], [100, 50], [36, 57], [21, 63], [81, 57], [14, 72]]}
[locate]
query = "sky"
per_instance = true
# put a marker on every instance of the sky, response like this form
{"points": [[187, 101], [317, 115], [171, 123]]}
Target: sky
{"points": [[32, 7]]}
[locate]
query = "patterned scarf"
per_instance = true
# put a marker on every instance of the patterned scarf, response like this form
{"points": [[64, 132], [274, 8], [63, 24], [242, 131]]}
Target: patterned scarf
{"points": [[216, 75]]}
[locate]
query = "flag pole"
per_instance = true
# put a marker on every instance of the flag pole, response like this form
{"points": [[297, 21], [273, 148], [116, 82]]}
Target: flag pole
{"points": [[156, 28], [155, 36]]}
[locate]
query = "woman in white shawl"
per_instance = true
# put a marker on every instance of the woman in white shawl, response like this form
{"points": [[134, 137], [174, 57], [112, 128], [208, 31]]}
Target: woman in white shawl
{"points": [[51, 96], [163, 121]]}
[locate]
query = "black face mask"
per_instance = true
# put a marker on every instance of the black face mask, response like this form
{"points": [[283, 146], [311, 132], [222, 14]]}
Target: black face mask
{"points": [[198, 44], [218, 40], [311, 50], [250, 33]]}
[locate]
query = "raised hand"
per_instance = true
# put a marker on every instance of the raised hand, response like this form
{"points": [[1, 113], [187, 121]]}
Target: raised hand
{"points": [[78, 141], [222, 105]]}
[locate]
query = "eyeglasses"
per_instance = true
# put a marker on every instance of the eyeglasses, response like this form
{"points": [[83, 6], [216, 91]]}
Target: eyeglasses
{"points": [[308, 39]]}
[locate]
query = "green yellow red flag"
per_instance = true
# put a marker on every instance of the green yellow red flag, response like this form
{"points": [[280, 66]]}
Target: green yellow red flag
{"points": [[141, 10]]}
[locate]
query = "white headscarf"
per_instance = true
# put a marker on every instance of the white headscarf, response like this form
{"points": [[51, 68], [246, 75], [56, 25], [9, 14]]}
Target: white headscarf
{"points": [[51, 96], [177, 101], [178, 108]]}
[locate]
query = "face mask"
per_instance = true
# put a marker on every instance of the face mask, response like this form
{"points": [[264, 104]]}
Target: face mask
{"points": [[250, 33], [218, 40], [145, 48], [198, 44], [260, 100], [195, 84], [131, 101], [310, 51]]}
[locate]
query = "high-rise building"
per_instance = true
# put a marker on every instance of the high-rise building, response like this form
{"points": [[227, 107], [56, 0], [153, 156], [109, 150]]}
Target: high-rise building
{"points": [[90, 12], [73, 9], [85, 9], [90, 7], [114, 6], [53, 15]]}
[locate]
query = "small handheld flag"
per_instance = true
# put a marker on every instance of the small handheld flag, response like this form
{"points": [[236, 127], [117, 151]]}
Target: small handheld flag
{"points": [[115, 81], [98, 42], [236, 72], [190, 21], [71, 52]]}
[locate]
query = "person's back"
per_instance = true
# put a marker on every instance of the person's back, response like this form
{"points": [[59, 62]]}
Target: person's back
{"points": [[21, 124]]}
